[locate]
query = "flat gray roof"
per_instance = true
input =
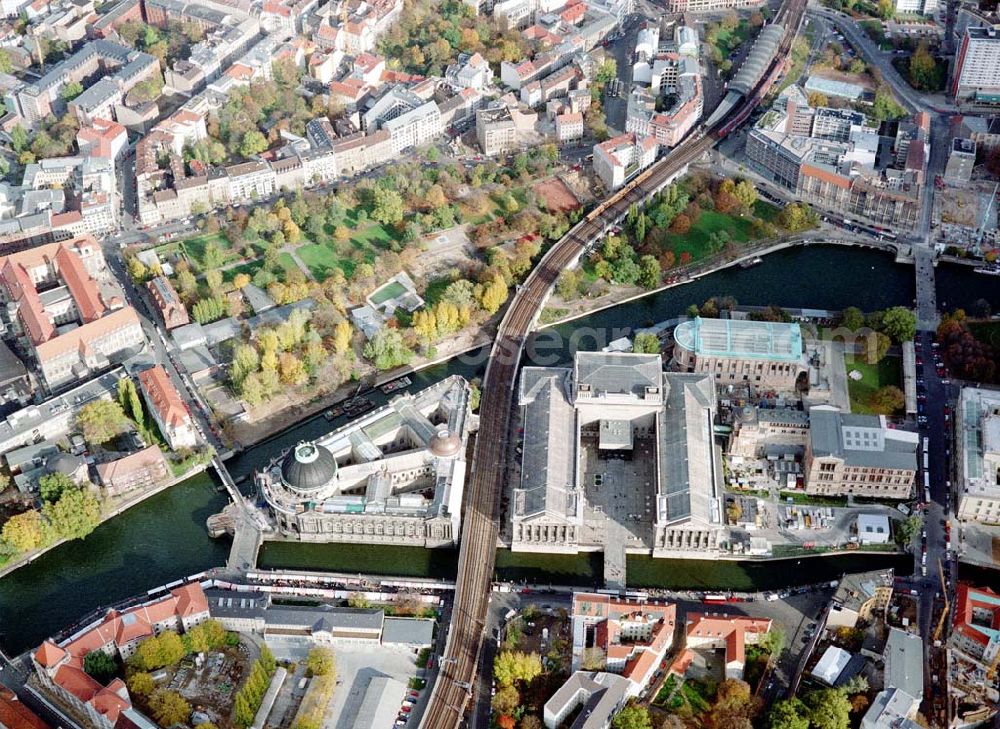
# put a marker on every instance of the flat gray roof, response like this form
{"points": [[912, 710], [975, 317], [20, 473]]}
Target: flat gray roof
{"points": [[416, 632]]}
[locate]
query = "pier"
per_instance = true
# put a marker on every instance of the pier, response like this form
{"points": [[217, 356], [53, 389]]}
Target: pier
{"points": [[245, 522]]}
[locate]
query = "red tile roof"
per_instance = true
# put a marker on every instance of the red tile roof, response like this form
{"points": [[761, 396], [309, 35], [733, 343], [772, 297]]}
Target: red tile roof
{"points": [[81, 338], [49, 654], [81, 286], [15, 715], [163, 396]]}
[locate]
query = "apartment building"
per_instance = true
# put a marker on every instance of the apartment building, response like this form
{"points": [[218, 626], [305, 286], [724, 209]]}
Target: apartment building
{"points": [[120, 69], [633, 637], [54, 303], [137, 471], [858, 455], [976, 76], [60, 668], [732, 633], [569, 126], [409, 119], [168, 408], [620, 158], [977, 436], [976, 623], [496, 130], [765, 355]]}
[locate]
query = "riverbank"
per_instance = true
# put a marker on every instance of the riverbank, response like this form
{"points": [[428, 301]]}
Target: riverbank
{"points": [[625, 295], [123, 506]]}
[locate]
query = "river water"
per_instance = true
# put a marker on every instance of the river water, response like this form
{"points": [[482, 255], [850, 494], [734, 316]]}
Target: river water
{"points": [[164, 538]]}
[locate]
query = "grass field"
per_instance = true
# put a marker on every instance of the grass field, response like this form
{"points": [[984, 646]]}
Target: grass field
{"points": [[729, 40], [695, 241], [322, 258], [195, 248], [887, 372]]}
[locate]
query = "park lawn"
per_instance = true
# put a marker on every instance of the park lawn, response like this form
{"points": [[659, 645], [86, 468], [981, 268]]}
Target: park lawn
{"points": [[249, 268], [195, 248], [287, 263], [887, 372], [766, 211], [731, 39], [695, 241], [322, 260]]}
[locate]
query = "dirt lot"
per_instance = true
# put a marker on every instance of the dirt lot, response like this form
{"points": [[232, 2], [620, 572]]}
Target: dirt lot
{"points": [[547, 634], [556, 196], [210, 685]]}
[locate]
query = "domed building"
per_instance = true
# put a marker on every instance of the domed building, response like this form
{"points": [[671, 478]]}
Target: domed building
{"points": [[307, 468], [393, 476]]}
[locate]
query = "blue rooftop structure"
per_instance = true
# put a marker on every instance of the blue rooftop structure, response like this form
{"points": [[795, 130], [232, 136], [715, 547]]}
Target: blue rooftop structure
{"points": [[740, 339]]}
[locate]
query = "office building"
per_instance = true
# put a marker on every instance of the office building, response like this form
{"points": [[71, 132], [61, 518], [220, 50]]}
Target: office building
{"points": [[976, 76], [977, 435], [710, 6], [919, 7], [858, 455], [732, 633]]}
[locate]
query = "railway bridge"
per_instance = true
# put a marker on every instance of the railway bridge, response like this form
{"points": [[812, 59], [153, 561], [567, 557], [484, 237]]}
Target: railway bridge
{"points": [[477, 554]]}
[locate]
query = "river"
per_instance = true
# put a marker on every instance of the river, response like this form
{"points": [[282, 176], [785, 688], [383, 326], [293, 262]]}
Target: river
{"points": [[164, 538]]}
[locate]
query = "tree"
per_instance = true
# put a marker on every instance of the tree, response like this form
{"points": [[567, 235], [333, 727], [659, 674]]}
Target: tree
{"points": [[886, 9], [71, 90], [853, 318], [857, 684], [746, 193], [907, 530], [649, 272], [568, 285], [158, 651], [24, 532], [101, 420], [899, 323], [6, 66], [773, 641], [213, 256], [387, 207], [267, 661], [646, 343], [140, 683], [506, 700], [342, 334], [510, 667], [128, 398], [75, 515], [52, 485], [100, 666], [291, 370], [493, 295], [209, 309], [137, 270], [320, 662], [387, 349], [885, 106], [169, 707], [253, 143], [827, 709], [206, 636], [888, 399], [796, 217], [530, 721], [788, 714], [240, 280], [632, 716], [734, 705]]}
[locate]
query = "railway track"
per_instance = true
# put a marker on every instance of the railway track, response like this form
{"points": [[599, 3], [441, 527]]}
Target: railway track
{"points": [[453, 687]]}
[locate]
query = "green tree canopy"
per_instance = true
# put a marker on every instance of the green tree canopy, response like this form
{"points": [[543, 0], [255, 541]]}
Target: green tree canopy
{"points": [[788, 714], [320, 661], [827, 709], [52, 485], [253, 143], [900, 323], [510, 667], [632, 716], [100, 666], [169, 707], [646, 343], [387, 206], [101, 420], [26, 531], [387, 349], [853, 318], [75, 515]]}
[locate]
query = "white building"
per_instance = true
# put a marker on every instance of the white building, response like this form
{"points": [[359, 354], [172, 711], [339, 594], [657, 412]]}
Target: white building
{"points": [[873, 529], [977, 426], [977, 66], [395, 476], [622, 157], [922, 7]]}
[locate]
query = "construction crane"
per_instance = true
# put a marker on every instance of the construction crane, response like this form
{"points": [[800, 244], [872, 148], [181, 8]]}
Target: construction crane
{"points": [[947, 604], [978, 250]]}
